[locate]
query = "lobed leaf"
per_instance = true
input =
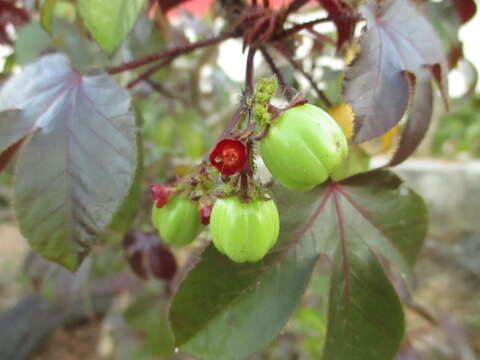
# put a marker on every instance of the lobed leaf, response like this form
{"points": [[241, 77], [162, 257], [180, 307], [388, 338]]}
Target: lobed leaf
{"points": [[365, 319], [220, 302], [78, 161], [110, 21], [398, 40]]}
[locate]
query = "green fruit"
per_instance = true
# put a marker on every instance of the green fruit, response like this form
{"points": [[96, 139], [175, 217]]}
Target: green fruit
{"points": [[178, 222], [244, 231], [303, 147]]}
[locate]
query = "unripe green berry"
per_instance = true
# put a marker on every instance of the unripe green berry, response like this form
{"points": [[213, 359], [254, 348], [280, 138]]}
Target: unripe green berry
{"points": [[178, 222], [244, 231], [303, 147]]}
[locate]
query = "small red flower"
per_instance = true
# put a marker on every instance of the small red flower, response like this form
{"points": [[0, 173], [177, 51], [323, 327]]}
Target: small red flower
{"points": [[205, 212], [161, 194], [229, 156]]}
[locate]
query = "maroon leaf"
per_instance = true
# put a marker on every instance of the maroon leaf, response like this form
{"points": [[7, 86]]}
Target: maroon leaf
{"points": [[345, 19], [10, 14], [418, 119], [80, 158], [466, 9], [148, 257], [398, 39]]}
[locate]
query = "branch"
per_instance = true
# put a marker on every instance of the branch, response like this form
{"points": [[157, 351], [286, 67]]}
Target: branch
{"points": [[233, 122], [249, 72], [299, 27], [299, 68], [170, 53], [162, 91], [237, 115], [276, 71], [152, 70], [321, 37]]}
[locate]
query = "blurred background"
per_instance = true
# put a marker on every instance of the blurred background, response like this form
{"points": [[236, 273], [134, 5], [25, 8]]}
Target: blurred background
{"points": [[105, 311]]}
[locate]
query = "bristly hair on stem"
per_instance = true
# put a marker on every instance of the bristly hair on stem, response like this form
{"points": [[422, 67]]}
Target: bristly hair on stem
{"points": [[149, 72], [172, 52], [300, 69], [276, 71]]}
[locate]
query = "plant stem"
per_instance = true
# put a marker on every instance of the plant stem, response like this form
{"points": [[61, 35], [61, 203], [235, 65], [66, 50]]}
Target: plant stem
{"points": [[173, 53], [276, 71], [233, 121], [249, 73], [296, 28], [152, 70], [299, 68]]}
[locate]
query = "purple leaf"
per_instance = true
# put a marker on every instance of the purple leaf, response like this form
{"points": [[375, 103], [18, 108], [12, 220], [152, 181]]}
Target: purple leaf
{"points": [[148, 257], [79, 160], [418, 119], [398, 39]]}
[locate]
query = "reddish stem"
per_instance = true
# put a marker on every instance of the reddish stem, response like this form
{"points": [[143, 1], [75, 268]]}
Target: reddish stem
{"points": [[300, 69], [296, 28], [249, 72], [173, 52], [276, 71], [152, 70]]}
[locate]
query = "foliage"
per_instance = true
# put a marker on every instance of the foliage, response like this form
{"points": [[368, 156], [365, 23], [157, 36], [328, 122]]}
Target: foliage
{"points": [[84, 158]]}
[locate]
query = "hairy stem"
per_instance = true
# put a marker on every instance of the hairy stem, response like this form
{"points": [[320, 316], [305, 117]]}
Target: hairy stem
{"points": [[169, 53], [296, 28], [149, 72], [276, 71], [249, 73], [300, 69]]}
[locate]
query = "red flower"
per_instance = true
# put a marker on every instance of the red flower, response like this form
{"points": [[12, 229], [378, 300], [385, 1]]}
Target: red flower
{"points": [[161, 194], [229, 156]]}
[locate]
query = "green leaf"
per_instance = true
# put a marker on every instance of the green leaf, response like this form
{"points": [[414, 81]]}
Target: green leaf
{"points": [[220, 302], [79, 159], [110, 21], [125, 216], [46, 14], [218, 305], [365, 319], [32, 41]]}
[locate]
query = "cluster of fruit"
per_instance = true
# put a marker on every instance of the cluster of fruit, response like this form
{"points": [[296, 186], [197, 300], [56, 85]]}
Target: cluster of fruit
{"points": [[301, 146]]}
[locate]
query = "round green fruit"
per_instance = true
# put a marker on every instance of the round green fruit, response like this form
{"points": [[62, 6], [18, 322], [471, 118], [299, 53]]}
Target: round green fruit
{"points": [[244, 231], [178, 222], [303, 147]]}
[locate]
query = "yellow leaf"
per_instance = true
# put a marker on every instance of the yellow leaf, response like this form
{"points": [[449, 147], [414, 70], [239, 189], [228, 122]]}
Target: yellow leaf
{"points": [[344, 116]]}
